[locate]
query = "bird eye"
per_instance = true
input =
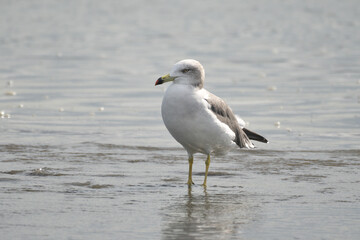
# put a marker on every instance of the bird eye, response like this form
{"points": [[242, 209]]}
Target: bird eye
{"points": [[185, 70]]}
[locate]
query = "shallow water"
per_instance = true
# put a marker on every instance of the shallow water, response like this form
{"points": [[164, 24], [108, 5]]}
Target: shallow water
{"points": [[83, 150]]}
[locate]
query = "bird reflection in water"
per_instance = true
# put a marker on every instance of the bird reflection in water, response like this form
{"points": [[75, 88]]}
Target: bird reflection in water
{"points": [[200, 214]]}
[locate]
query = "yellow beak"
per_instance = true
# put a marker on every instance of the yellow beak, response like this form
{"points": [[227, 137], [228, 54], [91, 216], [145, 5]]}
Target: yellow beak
{"points": [[164, 79]]}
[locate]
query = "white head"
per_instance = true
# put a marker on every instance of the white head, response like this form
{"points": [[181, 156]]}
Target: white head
{"points": [[188, 72]]}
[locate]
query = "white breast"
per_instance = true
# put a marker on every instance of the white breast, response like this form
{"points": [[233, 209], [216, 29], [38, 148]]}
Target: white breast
{"points": [[190, 121]]}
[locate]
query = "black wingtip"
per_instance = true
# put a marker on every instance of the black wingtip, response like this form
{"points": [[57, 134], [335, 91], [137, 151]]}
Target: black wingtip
{"points": [[255, 136]]}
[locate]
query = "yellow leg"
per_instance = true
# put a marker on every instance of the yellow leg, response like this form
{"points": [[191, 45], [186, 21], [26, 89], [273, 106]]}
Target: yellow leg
{"points": [[191, 160], [207, 163]]}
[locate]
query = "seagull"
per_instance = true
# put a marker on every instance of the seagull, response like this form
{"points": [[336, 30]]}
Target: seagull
{"points": [[200, 121]]}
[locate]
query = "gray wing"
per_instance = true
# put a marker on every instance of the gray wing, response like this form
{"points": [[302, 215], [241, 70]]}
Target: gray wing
{"points": [[224, 113]]}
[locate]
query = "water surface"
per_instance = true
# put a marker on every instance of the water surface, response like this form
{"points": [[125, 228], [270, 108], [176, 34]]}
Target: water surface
{"points": [[84, 152]]}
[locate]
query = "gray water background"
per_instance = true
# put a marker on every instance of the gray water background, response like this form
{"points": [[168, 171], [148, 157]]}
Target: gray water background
{"points": [[83, 150]]}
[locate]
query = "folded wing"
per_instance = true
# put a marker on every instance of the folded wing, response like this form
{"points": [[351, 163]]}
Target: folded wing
{"points": [[224, 113]]}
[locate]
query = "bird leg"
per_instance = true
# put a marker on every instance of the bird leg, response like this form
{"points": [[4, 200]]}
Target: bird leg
{"points": [[207, 163], [191, 160]]}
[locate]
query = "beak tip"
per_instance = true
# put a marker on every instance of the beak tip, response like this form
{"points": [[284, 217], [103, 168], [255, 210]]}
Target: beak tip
{"points": [[159, 81]]}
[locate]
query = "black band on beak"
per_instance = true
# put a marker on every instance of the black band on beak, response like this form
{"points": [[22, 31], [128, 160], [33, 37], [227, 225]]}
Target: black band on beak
{"points": [[159, 81]]}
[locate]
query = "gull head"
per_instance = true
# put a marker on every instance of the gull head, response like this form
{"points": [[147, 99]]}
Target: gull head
{"points": [[187, 72]]}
